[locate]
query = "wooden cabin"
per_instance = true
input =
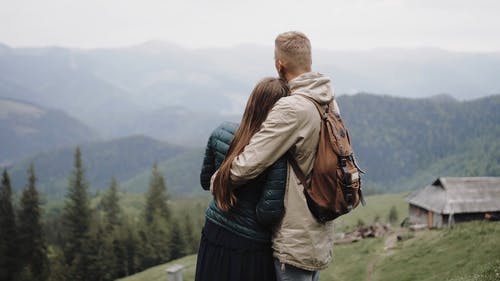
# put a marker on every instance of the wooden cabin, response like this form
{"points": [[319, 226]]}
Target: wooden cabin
{"points": [[452, 200]]}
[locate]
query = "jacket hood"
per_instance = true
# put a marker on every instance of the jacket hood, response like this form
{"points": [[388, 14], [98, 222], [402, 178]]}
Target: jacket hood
{"points": [[314, 85]]}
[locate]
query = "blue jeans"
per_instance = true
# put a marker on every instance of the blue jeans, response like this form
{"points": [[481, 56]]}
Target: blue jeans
{"points": [[286, 272]]}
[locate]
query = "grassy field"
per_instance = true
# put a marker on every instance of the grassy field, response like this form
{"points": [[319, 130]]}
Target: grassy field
{"points": [[350, 261], [349, 264], [469, 252], [158, 273]]}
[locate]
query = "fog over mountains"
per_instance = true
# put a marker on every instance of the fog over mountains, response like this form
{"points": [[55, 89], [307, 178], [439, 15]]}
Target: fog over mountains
{"points": [[431, 112], [136, 90]]}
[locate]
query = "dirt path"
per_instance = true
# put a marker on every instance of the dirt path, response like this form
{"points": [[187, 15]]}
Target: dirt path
{"points": [[390, 242], [371, 267]]}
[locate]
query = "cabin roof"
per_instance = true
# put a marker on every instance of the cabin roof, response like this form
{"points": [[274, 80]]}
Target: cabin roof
{"points": [[454, 195]]}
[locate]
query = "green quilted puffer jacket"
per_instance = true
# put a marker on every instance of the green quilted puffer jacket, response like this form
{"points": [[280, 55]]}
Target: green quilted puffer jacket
{"points": [[260, 201]]}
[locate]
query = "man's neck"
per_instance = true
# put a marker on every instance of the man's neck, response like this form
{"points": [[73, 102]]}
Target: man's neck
{"points": [[290, 76]]}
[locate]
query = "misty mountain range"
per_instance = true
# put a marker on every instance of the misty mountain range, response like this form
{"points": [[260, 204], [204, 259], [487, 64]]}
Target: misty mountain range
{"points": [[157, 102], [27, 129], [135, 90]]}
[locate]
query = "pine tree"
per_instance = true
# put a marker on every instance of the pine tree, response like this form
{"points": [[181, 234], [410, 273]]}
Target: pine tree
{"points": [[156, 197], [154, 244], [177, 243], [76, 220], [117, 248], [131, 245], [111, 206], [32, 247], [154, 233], [97, 259], [9, 262], [58, 268], [190, 240]]}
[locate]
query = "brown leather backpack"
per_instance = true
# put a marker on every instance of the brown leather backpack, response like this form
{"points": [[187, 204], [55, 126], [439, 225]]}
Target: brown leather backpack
{"points": [[335, 187]]}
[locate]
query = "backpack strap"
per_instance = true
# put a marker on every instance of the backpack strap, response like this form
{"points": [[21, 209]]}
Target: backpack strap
{"points": [[334, 134], [297, 170], [290, 158]]}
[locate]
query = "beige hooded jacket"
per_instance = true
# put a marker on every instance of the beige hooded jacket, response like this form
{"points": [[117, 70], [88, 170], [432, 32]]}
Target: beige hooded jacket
{"points": [[293, 124]]}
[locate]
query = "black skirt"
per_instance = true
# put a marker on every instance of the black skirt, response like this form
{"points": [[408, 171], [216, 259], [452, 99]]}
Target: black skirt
{"points": [[226, 256]]}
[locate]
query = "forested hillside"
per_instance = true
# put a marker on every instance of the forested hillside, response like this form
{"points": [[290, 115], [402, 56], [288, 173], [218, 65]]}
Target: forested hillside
{"points": [[401, 143], [99, 237], [122, 158], [405, 143]]}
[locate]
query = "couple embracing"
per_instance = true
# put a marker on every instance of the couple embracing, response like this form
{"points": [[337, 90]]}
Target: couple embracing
{"points": [[258, 227]]}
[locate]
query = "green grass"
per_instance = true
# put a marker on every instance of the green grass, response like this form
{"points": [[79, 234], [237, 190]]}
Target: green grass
{"points": [[349, 264], [158, 273], [469, 250], [376, 206], [350, 260]]}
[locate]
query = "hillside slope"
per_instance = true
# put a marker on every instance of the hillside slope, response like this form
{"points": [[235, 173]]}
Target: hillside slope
{"points": [[26, 129], [122, 158], [401, 142], [467, 252], [181, 174]]}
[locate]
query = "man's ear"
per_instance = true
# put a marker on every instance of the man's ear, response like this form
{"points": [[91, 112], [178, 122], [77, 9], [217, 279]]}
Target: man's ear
{"points": [[279, 65], [280, 68]]}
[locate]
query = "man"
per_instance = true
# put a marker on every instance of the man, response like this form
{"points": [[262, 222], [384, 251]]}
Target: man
{"points": [[301, 246]]}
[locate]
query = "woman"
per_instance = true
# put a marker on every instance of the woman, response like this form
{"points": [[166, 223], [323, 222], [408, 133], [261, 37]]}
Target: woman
{"points": [[236, 238]]}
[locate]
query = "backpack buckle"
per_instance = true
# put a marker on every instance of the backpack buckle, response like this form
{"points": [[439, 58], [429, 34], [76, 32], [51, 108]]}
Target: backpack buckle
{"points": [[349, 201]]}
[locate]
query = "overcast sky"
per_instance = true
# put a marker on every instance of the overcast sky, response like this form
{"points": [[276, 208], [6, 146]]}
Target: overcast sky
{"points": [[461, 25]]}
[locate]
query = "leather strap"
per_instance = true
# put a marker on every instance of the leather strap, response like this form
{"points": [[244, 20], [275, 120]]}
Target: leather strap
{"points": [[297, 170], [291, 159]]}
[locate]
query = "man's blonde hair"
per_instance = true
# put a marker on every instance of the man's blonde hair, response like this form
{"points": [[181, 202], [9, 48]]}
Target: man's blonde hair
{"points": [[293, 48]]}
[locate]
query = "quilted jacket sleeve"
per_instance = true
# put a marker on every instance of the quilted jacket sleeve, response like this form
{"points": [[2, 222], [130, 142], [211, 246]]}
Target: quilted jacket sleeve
{"points": [[208, 166], [270, 207], [215, 152]]}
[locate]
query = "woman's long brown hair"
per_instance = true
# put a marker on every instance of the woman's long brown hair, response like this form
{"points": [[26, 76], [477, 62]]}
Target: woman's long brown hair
{"points": [[265, 94]]}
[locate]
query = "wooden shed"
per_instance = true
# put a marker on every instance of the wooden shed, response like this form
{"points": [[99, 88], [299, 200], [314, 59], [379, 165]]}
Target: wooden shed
{"points": [[450, 200]]}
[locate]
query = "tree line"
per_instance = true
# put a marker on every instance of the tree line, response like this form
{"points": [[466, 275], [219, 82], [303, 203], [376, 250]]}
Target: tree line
{"points": [[85, 242]]}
